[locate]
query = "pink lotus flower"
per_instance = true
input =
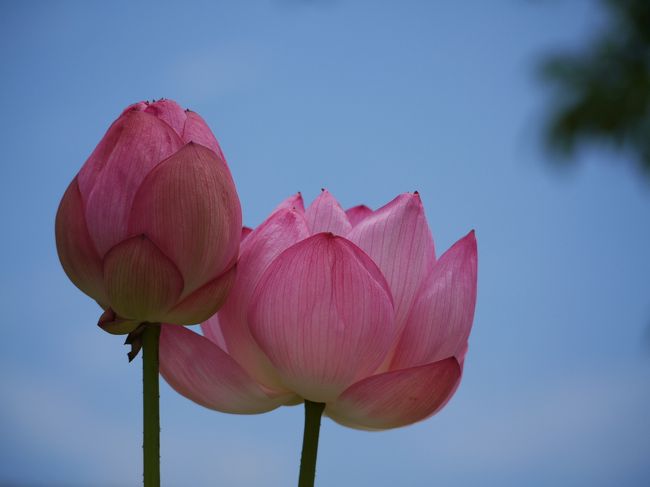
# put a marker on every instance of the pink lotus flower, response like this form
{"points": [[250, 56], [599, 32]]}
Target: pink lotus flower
{"points": [[150, 227], [350, 309]]}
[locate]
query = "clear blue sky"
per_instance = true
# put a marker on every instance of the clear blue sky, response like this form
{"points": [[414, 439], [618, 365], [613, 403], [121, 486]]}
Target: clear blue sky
{"points": [[369, 99]]}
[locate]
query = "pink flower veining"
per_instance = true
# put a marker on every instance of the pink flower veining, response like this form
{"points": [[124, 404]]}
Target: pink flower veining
{"points": [[351, 309], [150, 226]]}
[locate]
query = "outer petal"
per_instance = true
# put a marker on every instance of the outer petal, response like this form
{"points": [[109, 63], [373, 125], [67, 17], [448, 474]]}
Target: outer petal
{"points": [[199, 370], [101, 155], [169, 112], [196, 130], [204, 302], [245, 232], [211, 329], [441, 319], [398, 239], [293, 202], [397, 398], [281, 230], [75, 247], [139, 106], [323, 314], [142, 284], [108, 181], [189, 207], [357, 213], [326, 215]]}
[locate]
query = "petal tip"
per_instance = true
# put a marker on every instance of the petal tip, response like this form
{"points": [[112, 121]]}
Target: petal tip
{"points": [[408, 200], [469, 241]]}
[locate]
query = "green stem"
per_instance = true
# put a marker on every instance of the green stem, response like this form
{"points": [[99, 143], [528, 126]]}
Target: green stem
{"points": [[151, 414], [313, 413]]}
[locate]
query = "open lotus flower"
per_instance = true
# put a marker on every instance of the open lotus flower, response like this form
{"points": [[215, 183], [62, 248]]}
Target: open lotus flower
{"points": [[350, 309], [150, 227]]}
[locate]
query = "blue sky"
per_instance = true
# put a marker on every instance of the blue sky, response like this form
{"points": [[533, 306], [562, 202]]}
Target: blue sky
{"points": [[368, 99]]}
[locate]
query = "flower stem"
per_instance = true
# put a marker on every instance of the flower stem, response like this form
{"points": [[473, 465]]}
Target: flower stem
{"points": [[313, 413], [151, 414]]}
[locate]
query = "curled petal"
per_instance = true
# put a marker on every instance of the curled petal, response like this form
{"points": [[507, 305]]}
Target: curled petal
{"points": [[141, 282], [326, 215], [204, 302], [75, 247], [323, 314], [281, 230], [196, 130], [397, 398], [398, 239], [199, 370], [441, 319], [357, 213], [189, 207], [113, 324], [109, 180]]}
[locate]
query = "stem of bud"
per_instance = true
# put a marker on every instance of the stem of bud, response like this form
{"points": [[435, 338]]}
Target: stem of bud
{"points": [[150, 403]]}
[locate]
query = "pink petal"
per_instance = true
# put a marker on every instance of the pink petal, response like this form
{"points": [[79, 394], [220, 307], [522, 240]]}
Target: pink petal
{"points": [[357, 213], [139, 106], [323, 315], [212, 331], [169, 112], [75, 247], [199, 370], [326, 215], [189, 207], [204, 302], [294, 201], [397, 398], [281, 230], [398, 239], [141, 282], [461, 353], [96, 163], [108, 181], [196, 130], [115, 325], [245, 232], [441, 318]]}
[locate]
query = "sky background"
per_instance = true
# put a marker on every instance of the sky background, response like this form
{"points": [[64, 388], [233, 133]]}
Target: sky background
{"points": [[368, 99]]}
